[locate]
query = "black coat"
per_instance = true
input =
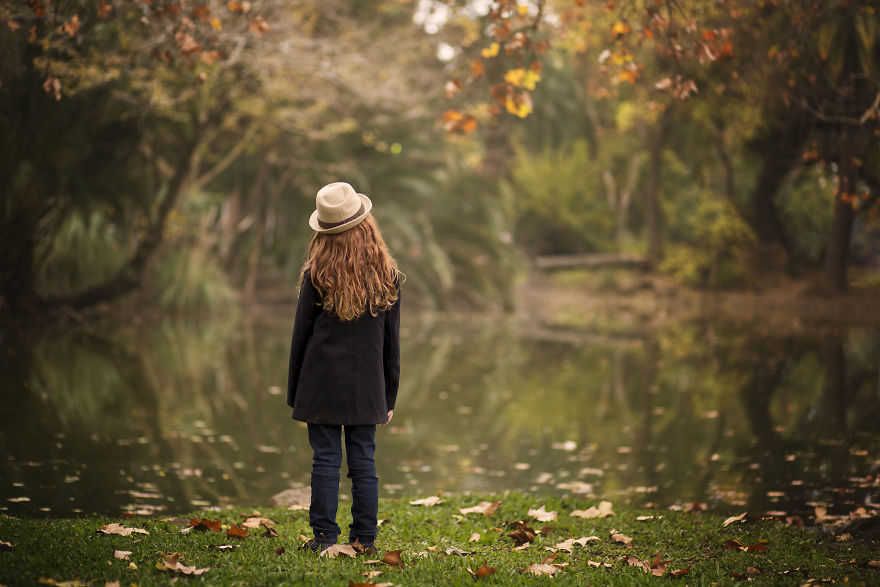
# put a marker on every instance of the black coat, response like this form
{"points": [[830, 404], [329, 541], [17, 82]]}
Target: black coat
{"points": [[342, 372]]}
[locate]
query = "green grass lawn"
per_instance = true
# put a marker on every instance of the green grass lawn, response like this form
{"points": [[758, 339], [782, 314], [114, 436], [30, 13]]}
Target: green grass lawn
{"points": [[72, 549]]}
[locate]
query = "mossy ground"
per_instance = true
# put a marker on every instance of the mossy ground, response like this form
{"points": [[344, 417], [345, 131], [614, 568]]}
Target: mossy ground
{"points": [[67, 549]]}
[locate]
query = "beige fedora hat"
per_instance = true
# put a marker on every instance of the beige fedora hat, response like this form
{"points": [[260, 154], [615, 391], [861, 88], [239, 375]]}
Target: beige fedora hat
{"points": [[338, 208]]}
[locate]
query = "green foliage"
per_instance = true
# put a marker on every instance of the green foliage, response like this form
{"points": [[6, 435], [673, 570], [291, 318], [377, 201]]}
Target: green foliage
{"points": [[86, 249], [806, 210], [190, 279], [558, 201], [721, 240]]}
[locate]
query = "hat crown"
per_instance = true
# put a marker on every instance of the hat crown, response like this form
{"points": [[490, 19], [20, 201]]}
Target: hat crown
{"points": [[336, 202]]}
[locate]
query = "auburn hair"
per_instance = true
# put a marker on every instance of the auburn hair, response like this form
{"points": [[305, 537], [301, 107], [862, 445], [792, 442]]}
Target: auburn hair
{"points": [[353, 270]]}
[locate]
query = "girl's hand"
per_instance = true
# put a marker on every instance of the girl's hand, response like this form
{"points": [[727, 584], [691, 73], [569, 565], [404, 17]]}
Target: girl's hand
{"points": [[390, 415]]}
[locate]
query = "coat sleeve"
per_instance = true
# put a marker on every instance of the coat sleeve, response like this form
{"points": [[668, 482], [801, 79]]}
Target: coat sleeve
{"points": [[307, 309], [391, 352]]}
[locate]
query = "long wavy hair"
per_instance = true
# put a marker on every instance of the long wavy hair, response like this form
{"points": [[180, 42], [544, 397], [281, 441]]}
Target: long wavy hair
{"points": [[353, 270]]}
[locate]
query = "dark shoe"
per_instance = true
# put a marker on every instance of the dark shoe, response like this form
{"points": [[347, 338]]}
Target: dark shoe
{"points": [[361, 548], [315, 546]]}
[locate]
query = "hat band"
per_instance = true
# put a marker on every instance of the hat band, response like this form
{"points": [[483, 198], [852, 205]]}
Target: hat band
{"points": [[323, 224]]}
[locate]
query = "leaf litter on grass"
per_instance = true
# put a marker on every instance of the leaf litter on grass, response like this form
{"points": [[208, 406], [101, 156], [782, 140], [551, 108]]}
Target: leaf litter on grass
{"points": [[487, 508], [603, 510], [542, 515], [170, 562], [120, 530]]}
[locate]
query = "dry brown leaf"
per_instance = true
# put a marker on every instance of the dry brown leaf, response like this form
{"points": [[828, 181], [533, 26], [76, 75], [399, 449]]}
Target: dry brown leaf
{"points": [[120, 530], [427, 501], [568, 545], [542, 515], [257, 521], [475, 537], [204, 524], [522, 546], [540, 569], [236, 531], [371, 574], [487, 508], [171, 562], [71, 583], [521, 533], [6, 546], [604, 510], [339, 549], [598, 564], [733, 519], [457, 551], [392, 558], [483, 571], [680, 572], [620, 538], [122, 555]]}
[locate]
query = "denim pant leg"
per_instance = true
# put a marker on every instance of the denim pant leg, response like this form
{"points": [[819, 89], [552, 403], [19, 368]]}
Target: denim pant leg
{"points": [[360, 448], [326, 444]]}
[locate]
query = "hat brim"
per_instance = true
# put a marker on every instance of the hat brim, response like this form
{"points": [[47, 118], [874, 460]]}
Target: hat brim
{"points": [[313, 219]]}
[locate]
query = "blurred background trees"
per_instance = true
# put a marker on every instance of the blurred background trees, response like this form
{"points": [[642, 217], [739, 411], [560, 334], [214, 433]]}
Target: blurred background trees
{"points": [[172, 148]]}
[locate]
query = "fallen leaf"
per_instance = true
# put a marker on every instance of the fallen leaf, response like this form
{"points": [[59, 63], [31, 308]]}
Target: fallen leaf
{"points": [[204, 524], [539, 569], [371, 574], [236, 531], [522, 546], [733, 519], [475, 537], [647, 518], [578, 487], [568, 545], [120, 530], [620, 538], [521, 533], [679, 572], [225, 547], [339, 549], [483, 571], [487, 508], [6, 546], [171, 563], [638, 563], [71, 583], [256, 522], [604, 510], [122, 555], [427, 501], [353, 584], [598, 564], [392, 557], [542, 515], [457, 551], [279, 551]]}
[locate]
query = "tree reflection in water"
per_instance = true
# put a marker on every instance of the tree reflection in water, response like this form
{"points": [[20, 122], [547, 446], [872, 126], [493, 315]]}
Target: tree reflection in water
{"points": [[181, 414]]}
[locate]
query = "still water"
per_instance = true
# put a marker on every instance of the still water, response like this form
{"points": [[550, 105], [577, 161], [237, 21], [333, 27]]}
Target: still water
{"points": [[182, 414]]}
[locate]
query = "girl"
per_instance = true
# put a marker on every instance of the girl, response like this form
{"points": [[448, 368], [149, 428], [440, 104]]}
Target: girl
{"points": [[345, 358]]}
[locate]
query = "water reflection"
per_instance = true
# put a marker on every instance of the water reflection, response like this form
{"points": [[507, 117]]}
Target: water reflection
{"points": [[183, 414]]}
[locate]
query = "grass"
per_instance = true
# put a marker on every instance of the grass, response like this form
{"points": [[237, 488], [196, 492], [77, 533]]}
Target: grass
{"points": [[68, 549]]}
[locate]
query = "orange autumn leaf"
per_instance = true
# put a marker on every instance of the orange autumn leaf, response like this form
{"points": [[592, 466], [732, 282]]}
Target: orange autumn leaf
{"points": [[237, 531]]}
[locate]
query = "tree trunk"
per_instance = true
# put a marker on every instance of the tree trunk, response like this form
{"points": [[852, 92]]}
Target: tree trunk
{"points": [[837, 254], [256, 252], [653, 208]]}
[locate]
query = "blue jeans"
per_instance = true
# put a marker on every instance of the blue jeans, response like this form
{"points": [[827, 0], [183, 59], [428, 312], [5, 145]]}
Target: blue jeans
{"points": [[360, 448]]}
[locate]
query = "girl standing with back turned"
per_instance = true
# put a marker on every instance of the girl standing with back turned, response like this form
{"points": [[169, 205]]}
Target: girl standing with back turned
{"points": [[345, 358]]}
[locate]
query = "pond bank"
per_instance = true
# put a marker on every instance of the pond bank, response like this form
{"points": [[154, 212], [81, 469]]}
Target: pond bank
{"points": [[439, 544], [624, 299]]}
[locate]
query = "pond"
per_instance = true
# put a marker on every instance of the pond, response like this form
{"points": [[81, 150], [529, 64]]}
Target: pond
{"points": [[182, 414]]}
